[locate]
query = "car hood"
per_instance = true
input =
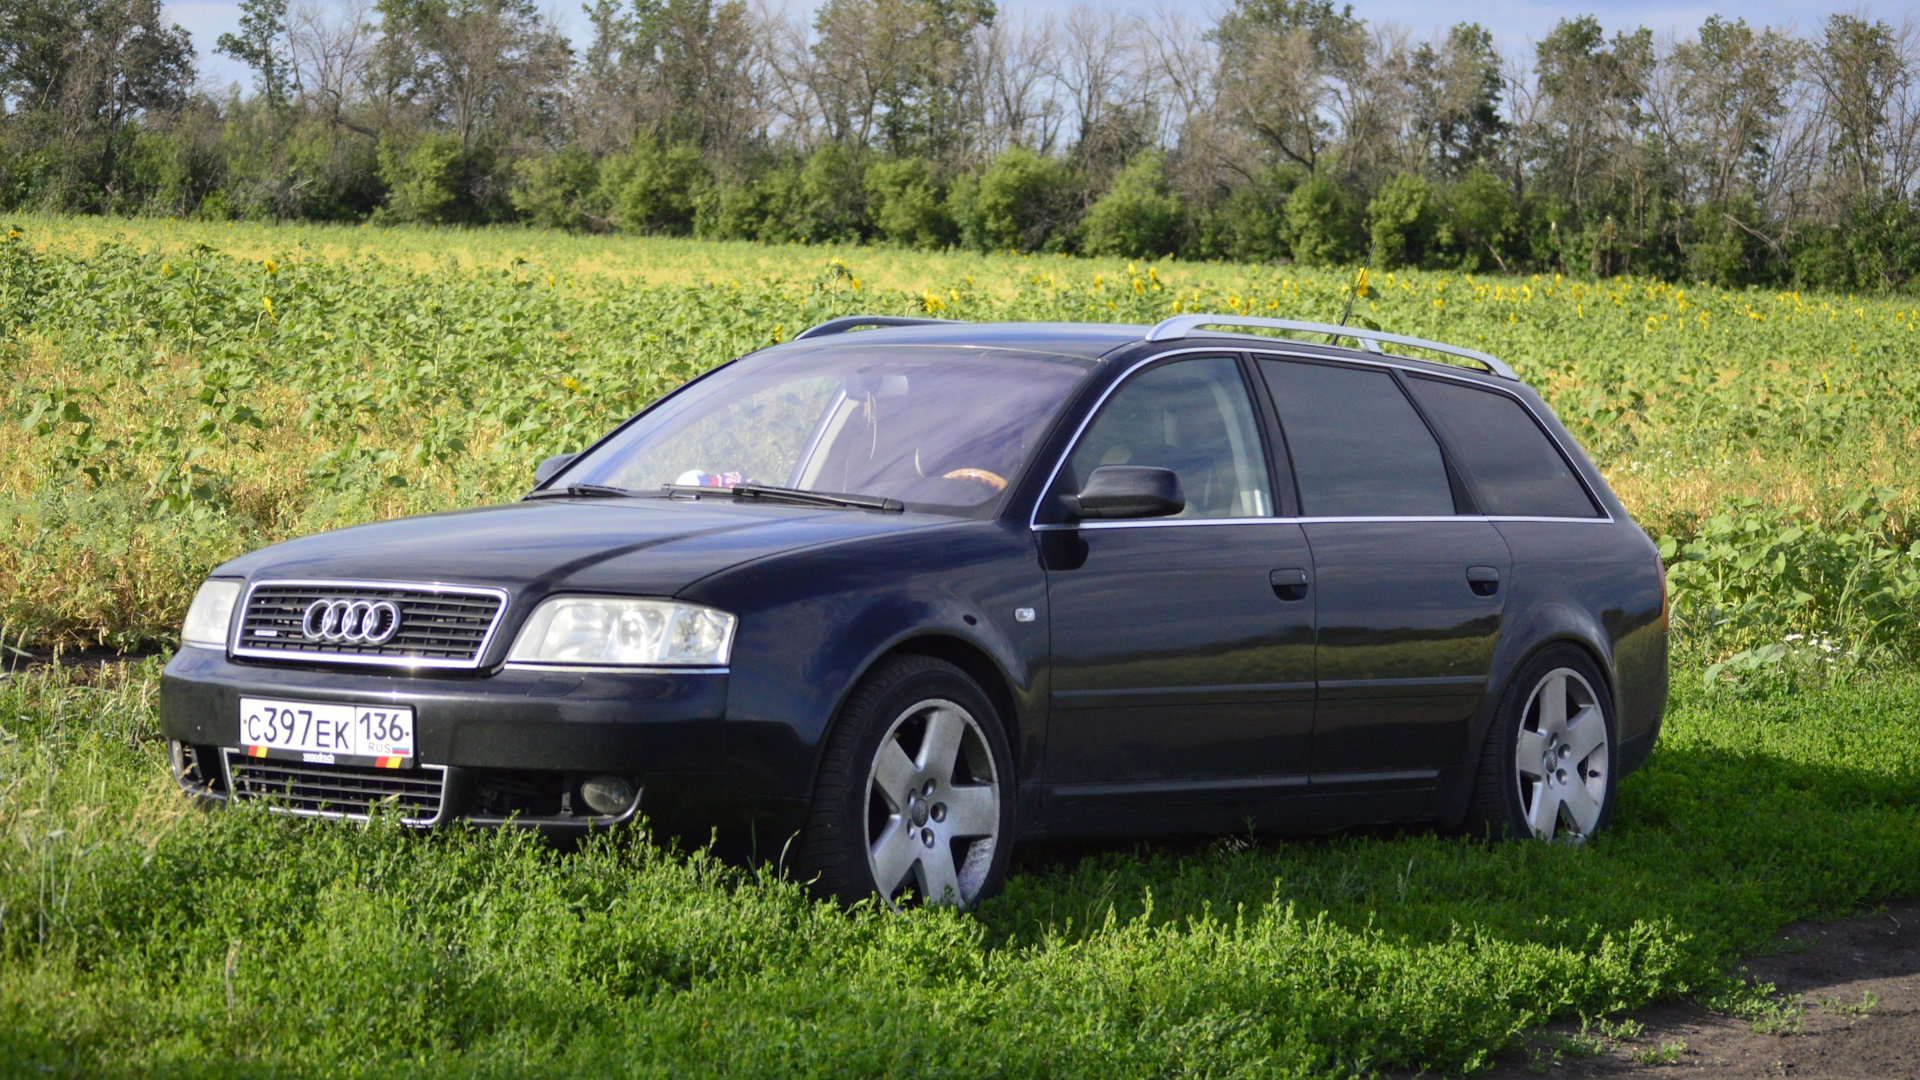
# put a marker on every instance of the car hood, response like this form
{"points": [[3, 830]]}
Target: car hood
{"points": [[648, 547]]}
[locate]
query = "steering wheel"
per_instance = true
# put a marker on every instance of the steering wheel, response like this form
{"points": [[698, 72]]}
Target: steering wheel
{"points": [[992, 480]]}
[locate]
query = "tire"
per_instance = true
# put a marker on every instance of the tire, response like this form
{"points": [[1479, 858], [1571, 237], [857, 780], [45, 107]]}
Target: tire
{"points": [[914, 798], [1542, 776]]}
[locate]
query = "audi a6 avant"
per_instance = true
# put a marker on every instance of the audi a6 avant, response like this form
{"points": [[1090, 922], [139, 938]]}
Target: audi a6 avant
{"points": [[888, 601]]}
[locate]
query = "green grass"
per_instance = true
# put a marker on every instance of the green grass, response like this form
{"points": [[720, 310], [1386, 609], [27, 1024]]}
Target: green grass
{"points": [[140, 937]]}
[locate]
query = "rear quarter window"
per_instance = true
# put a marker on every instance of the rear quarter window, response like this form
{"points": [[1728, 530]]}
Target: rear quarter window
{"points": [[1514, 468]]}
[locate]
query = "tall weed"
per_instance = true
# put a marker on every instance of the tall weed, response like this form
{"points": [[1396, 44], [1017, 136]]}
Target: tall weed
{"points": [[1772, 597]]}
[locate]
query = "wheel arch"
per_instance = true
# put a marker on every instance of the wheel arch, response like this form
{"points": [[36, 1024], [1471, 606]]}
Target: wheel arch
{"points": [[973, 660], [978, 665], [1460, 792]]}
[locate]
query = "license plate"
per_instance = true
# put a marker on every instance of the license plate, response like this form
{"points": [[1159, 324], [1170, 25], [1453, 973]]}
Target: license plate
{"points": [[378, 735]]}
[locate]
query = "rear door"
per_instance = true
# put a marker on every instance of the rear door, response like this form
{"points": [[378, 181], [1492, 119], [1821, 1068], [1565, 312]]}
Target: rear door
{"points": [[1182, 652], [1409, 580]]}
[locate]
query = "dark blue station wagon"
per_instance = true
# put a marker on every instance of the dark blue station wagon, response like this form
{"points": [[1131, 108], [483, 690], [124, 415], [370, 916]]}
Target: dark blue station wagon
{"points": [[897, 594]]}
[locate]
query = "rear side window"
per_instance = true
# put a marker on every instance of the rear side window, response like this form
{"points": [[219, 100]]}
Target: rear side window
{"points": [[1512, 465], [1358, 447]]}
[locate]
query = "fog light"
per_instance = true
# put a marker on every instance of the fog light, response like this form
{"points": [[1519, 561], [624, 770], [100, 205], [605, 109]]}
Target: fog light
{"points": [[608, 795]]}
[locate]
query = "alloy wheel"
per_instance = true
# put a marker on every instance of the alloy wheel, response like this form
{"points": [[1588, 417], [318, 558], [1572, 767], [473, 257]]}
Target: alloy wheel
{"points": [[1561, 757], [933, 806]]}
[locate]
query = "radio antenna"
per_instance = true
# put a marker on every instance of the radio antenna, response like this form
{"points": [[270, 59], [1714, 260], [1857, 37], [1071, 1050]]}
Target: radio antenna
{"points": [[1359, 284]]}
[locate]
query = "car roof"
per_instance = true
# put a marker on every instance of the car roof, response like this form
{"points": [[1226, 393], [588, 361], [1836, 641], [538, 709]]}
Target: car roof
{"points": [[1103, 341]]}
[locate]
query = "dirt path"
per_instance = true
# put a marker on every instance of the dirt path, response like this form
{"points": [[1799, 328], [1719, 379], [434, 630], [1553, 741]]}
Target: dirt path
{"points": [[1857, 982]]}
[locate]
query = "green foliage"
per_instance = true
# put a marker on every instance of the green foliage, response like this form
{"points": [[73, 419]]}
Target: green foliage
{"points": [[653, 188], [906, 204], [1482, 219], [1250, 224], [1406, 219], [1876, 248], [1785, 599], [829, 203], [1019, 204], [262, 46], [550, 191], [1726, 245], [1321, 225], [426, 181], [1137, 217], [820, 198]]}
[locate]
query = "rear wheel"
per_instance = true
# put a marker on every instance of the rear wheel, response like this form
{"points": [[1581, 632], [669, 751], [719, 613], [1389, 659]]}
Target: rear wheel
{"points": [[913, 801], [1546, 770]]}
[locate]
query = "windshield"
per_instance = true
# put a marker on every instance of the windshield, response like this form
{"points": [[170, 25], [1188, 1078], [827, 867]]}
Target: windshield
{"points": [[937, 428]]}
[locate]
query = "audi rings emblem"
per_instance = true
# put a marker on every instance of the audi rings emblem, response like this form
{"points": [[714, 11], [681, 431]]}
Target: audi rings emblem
{"points": [[351, 622]]}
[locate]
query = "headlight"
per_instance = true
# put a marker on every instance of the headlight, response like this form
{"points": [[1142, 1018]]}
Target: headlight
{"points": [[210, 614], [601, 630]]}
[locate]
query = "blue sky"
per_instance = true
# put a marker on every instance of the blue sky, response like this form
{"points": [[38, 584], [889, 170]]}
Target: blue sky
{"points": [[1513, 22]]}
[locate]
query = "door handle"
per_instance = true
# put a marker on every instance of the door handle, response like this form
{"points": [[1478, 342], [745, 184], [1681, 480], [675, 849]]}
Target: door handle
{"points": [[1483, 580], [1289, 584]]}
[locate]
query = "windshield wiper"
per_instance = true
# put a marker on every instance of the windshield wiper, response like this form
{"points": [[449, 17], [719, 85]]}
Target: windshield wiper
{"points": [[769, 493], [588, 491]]}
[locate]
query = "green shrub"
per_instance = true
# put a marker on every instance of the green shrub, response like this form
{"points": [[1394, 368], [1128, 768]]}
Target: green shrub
{"points": [[549, 190], [831, 202], [906, 204], [1482, 217], [1022, 202], [651, 188], [426, 180], [1876, 249], [1249, 225], [1725, 246], [1405, 218], [1321, 224], [1137, 217]]}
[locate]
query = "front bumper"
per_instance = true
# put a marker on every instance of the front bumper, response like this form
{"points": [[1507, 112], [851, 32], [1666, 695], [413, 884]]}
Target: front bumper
{"points": [[515, 744]]}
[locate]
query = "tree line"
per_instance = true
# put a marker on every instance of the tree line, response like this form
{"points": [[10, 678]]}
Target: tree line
{"points": [[1286, 129]]}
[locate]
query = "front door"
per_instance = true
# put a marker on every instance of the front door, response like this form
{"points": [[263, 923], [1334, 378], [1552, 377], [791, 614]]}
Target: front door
{"points": [[1183, 648], [1410, 583]]}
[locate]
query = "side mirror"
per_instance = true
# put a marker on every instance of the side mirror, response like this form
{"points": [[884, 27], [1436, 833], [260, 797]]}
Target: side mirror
{"points": [[551, 467], [1130, 491]]}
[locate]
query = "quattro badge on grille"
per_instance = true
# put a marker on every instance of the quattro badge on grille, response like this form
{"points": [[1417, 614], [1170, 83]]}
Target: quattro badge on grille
{"points": [[356, 622]]}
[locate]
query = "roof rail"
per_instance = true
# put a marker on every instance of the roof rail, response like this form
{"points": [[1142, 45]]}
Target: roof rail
{"points": [[1181, 326], [855, 322]]}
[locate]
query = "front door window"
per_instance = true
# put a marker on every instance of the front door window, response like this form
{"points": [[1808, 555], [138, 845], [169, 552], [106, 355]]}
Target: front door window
{"points": [[1193, 417]]}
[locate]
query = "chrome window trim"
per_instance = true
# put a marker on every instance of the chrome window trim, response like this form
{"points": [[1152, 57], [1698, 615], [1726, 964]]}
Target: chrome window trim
{"points": [[234, 648], [227, 753], [614, 669], [1162, 523], [1605, 516]]}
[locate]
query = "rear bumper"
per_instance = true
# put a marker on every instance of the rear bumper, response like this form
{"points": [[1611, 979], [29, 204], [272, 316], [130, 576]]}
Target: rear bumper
{"points": [[514, 745]]}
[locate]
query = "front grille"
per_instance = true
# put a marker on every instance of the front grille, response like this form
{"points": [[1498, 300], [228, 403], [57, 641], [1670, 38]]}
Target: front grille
{"points": [[440, 625], [310, 789]]}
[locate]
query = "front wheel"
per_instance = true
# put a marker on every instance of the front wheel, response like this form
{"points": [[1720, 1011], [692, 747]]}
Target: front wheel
{"points": [[1546, 770], [913, 800]]}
